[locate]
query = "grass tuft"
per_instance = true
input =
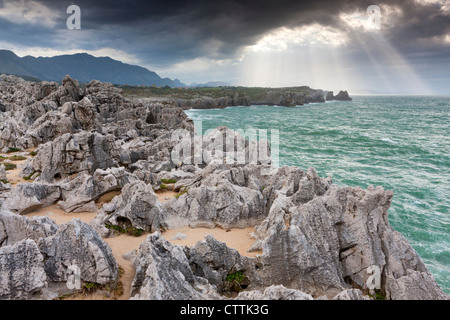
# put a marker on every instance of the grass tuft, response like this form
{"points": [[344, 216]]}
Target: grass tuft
{"points": [[17, 158], [167, 181], [9, 166], [131, 231], [11, 150]]}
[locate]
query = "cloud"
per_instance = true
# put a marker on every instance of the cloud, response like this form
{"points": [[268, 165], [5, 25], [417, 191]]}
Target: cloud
{"points": [[28, 12], [176, 35]]}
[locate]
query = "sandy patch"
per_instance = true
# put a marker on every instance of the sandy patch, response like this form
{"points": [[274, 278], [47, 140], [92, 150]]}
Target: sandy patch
{"points": [[60, 216], [107, 197], [166, 195], [239, 239], [13, 175], [120, 245]]}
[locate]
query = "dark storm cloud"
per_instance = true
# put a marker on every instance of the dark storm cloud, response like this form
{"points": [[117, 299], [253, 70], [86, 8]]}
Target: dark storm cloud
{"points": [[165, 32], [187, 28]]}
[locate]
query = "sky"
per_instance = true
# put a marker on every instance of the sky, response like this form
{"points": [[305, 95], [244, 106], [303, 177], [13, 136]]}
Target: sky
{"points": [[395, 47]]}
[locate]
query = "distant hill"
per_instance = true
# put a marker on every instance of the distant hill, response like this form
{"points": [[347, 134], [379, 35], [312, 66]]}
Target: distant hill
{"points": [[83, 67]]}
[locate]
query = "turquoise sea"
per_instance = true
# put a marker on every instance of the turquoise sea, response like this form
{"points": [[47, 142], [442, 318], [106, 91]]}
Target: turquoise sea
{"points": [[399, 142]]}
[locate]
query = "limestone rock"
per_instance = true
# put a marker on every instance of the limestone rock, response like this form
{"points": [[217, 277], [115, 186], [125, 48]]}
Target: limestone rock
{"points": [[274, 293], [3, 173], [74, 153], [330, 96], [15, 228], [22, 274], [137, 206], [214, 261], [48, 127], [415, 285], [154, 280], [76, 243], [79, 194], [342, 96], [10, 132], [27, 197], [351, 294]]}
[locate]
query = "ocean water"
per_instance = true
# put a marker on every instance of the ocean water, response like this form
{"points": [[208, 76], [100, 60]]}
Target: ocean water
{"points": [[399, 142]]}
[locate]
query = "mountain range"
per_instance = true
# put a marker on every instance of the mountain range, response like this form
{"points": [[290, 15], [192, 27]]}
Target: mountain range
{"points": [[83, 67]]}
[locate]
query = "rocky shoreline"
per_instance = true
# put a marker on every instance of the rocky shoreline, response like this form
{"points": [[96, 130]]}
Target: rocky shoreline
{"points": [[236, 96], [313, 239]]}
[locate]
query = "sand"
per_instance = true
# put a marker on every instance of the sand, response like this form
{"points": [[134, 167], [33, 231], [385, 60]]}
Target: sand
{"points": [[166, 195], [239, 239], [13, 175], [60, 216]]}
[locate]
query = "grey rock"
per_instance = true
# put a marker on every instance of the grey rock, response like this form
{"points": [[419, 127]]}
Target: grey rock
{"points": [[48, 127], [342, 96], [15, 228], [3, 173], [22, 274], [223, 196], [137, 206], [4, 187], [179, 236], [26, 197], [10, 133], [154, 280], [351, 294], [415, 285], [76, 243], [69, 92], [74, 153], [214, 261], [79, 194], [330, 96], [274, 293]]}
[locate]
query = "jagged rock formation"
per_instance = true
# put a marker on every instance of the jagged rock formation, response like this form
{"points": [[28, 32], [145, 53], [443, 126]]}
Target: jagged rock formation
{"points": [[15, 228], [137, 207], [36, 256], [341, 96], [284, 98], [22, 272], [76, 243], [314, 239]]}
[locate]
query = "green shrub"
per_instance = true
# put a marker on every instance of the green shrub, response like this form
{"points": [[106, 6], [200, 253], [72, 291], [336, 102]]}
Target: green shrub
{"points": [[91, 286], [131, 231], [179, 194], [29, 177], [17, 158], [162, 186], [9, 166], [167, 181], [236, 277], [378, 295], [10, 150]]}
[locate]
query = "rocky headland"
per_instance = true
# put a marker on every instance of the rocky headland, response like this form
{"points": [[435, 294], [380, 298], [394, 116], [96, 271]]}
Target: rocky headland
{"points": [[92, 151], [222, 97]]}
